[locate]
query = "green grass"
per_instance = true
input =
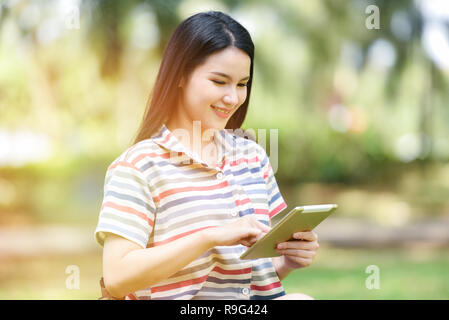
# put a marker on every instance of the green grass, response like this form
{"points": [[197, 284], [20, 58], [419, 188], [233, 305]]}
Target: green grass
{"points": [[335, 274], [403, 274]]}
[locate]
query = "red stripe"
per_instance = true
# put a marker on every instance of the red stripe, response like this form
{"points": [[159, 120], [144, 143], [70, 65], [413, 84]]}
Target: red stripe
{"points": [[128, 210], [236, 271], [151, 155], [223, 164], [131, 296], [260, 211], [168, 137], [237, 162], [266, 287], [179, 284], [242, 202], [277, 209], [181, 235]]}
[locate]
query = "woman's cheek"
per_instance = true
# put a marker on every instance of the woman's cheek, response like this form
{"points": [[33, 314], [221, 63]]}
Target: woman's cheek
{"points": [[242, 96]]}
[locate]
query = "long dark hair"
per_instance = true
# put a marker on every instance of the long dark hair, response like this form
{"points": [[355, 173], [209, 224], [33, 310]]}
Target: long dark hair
{"points": [[190, 44]]}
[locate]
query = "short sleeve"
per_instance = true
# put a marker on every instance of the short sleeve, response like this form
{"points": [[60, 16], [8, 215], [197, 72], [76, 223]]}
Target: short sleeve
{"points": [[276, 202], [128, 209]]}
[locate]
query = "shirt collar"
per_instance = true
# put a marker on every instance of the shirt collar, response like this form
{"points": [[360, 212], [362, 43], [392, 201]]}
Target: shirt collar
{"points": [[223, 139]]}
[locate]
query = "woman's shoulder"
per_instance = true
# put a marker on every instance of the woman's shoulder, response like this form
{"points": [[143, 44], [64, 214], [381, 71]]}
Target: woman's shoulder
{"points": [[137, 154]]}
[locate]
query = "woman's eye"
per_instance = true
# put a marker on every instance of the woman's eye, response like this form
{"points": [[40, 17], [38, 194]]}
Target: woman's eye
{"points": [[240, 84]]}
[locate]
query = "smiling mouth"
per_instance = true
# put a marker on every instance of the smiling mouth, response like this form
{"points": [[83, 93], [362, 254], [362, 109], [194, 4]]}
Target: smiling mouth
{"points": [[225, 111]]}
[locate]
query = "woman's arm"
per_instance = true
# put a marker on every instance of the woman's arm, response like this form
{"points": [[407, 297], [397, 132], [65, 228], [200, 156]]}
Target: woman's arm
{"points": [[128, 268]]}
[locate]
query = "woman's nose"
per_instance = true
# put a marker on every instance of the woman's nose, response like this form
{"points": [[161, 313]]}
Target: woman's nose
{"points": [[231, 98]]}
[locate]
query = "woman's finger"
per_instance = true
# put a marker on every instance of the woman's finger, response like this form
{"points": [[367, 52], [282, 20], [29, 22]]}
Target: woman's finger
{"points": [[245, 243], [306, 235], [251, 222], [251, 239], [248, 242], [300, 245]]}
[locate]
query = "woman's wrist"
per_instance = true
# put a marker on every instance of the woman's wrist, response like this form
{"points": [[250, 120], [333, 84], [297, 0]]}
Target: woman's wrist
{"points": [[209, 236], [281, 269]]}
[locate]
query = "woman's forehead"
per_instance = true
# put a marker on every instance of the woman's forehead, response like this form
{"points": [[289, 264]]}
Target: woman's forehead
{"points": [[232, 62]]}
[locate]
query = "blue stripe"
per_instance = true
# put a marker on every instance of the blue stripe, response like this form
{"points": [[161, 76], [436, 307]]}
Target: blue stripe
{"points": [[274, 198], [250, 180], [264, 161], [257, 191], [262, 266], [273, 296], [173, 203], [223, 290], [131, 199], [175, 296], [221, 281], [198, 208], [244, 170], [246, 212], [106, 227]]}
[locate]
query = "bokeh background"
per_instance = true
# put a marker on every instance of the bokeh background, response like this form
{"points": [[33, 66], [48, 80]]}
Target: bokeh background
{"points": [[360, 104]]}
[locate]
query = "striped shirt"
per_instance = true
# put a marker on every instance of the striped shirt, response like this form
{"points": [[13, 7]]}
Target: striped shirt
{"points": [[158, 191]]}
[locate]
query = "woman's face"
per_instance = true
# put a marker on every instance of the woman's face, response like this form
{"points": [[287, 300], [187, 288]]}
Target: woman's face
{"points": [[218, 83]]}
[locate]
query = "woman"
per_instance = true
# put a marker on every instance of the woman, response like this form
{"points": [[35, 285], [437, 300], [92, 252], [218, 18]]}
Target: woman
{"points": [[177, 215]]}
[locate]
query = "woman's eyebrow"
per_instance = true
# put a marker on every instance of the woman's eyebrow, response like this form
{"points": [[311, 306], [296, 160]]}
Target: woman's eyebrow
{"points": [[227, 76]]}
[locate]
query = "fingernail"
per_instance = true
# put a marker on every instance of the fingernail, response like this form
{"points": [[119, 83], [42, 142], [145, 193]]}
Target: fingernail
{"points": [[280, 246]]}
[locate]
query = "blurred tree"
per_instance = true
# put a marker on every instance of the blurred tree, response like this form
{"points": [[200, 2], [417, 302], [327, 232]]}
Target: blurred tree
{"points": [[324, 26], [106, 28]]}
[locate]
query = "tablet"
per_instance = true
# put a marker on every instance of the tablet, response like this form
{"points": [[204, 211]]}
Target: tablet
{"points": [[303, 218]]}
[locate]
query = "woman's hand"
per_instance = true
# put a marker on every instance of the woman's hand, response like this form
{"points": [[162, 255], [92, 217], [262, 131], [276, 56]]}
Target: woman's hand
{"points": [[246, 231], [298, 253]]}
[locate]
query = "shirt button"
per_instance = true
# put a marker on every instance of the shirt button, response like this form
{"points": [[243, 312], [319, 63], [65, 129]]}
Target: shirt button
{"points": [[219, 175], [245, 291]]}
